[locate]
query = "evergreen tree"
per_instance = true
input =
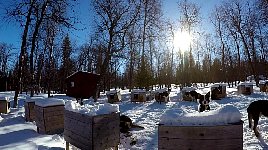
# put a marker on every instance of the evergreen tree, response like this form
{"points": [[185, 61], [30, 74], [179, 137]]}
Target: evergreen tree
{"points": [[67, 65]]}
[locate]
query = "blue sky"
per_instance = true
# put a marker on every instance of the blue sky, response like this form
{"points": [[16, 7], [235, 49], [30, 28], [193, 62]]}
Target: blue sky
{"points": [[11, 33]]}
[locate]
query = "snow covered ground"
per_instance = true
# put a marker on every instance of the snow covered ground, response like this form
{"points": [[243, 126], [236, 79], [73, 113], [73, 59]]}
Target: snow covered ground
{"points": [[16, 134]]}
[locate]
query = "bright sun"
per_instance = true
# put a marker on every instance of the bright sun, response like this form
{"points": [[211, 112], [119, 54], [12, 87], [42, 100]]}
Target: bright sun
{"points": [[182, 41]]}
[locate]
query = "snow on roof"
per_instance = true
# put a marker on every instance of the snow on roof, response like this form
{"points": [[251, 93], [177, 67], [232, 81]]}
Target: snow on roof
{"points": [[138, 91], [188, 89], [81, 72], [112, 92], [91, 110], [4, 98], [33, 99], [263, 81], [224, 115], [218, 84], [161, 90], [246, 83], [49, 102]]}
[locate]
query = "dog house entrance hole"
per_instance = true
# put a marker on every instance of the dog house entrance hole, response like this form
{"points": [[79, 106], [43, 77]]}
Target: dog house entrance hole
{"points": [[248, 89], [136, 96], [111, 96]]}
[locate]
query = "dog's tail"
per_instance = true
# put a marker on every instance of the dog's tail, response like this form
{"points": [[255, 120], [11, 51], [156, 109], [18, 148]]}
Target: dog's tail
{"points": [[249, 120]]}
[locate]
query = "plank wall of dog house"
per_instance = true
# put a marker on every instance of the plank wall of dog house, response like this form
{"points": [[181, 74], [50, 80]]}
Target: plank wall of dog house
{"points": [[113, 96], [221, 87], [245, 88], [263, 86], [184, 91]]}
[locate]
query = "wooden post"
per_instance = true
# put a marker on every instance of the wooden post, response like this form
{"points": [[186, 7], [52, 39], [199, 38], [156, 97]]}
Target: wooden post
{"points": [[67, 146]]}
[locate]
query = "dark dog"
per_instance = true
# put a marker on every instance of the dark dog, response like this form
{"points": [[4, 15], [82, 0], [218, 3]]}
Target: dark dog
{"points": [[126, 124], [191, 96], [215, 93], [255, 110], [163, 97], [204, 102]]}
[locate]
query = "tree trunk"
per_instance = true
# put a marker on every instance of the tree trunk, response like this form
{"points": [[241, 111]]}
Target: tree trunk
{"points": [[34, 38], [22, 55]]}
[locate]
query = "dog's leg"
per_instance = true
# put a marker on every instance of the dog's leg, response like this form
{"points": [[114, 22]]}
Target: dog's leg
{"points": [[255, 129], [249, 120], [208, 107]]}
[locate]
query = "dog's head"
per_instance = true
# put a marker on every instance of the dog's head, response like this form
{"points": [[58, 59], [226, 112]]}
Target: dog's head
{"points": [[204, 99]]}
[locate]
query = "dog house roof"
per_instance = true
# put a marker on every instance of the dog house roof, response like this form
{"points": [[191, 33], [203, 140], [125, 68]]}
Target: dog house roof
{"points": [[138, 91], [246, 83], [161, 90], [218, 84], [34, 99], [50, 102], [188, 89], [263, 81], [112, 92], [4, 98]]}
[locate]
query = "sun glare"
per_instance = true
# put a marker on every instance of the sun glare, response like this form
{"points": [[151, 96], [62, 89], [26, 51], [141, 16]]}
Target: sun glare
{"points": [[182, 41]]}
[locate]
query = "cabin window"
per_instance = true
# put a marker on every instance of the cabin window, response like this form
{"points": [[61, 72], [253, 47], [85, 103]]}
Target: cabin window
{"points": [[72, 84]]}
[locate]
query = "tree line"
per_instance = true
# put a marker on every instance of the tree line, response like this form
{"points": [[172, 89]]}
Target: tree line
{"points": [[132, 45]]}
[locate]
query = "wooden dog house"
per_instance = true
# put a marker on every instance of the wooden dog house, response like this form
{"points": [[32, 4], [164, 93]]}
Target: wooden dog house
{"points": [[245, 88], [185, 93], [49, 116], [113, 96], [29, 108], [91, 132], [194, 131], [263, 86], [82, 85], [138, 95], [160, 95], [201, 137], [222, 89], [4, 105]]}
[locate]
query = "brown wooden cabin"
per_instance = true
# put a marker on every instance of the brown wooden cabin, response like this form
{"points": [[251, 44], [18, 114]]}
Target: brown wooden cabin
{"points": [[245, 88], [222, 89], [82, 85], [263, 86]]}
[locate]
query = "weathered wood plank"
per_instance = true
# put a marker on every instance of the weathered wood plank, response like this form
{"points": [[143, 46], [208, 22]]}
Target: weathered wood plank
{"points": [[76, 143], [54, 113], [54, 118], [102, 130], [4, 106], [106, 118], [49, 122], [195, 144], [105, 143], [76, 138], [201, 132], [78, 116], [82, 129], [50, 109]]}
